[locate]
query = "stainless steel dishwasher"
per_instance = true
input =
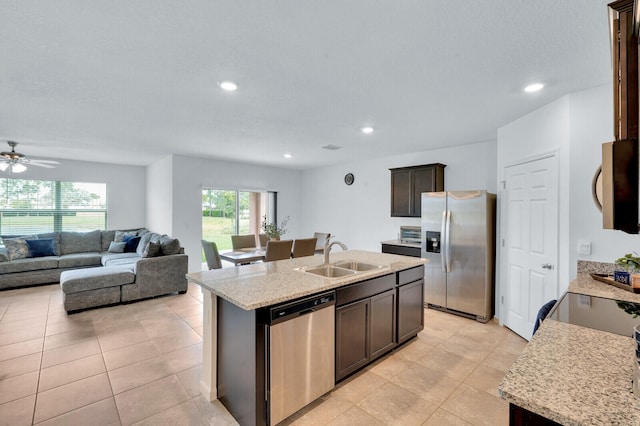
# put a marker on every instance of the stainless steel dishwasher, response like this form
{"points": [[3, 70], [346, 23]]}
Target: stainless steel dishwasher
{"points": [[301, 358]]}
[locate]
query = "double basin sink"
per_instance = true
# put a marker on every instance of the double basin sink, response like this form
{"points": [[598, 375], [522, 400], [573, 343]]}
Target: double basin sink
{"points": [[342, 268]]}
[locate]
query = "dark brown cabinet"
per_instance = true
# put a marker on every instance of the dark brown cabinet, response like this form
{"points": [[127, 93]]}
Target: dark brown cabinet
{"points": [[408, 184], [410, 310], [352, 337], [382, 323], [624, 46], [374, 316]]}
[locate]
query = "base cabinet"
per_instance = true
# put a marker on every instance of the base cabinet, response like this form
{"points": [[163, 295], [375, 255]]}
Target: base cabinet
{"points": [[410, 310], [375, 316], [352, 337]]}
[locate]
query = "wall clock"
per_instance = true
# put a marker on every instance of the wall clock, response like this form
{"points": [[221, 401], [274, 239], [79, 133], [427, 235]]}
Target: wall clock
{"points": [[348, 178]]}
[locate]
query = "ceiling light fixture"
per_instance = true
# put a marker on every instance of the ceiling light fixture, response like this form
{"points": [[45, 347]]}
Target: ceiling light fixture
{"points": [[229, 86], [367, 130], [287, 155], [533, 87]]}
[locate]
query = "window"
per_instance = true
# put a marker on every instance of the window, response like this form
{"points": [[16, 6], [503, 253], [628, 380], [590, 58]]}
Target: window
{"points": [[39, 206], [226, 213]]}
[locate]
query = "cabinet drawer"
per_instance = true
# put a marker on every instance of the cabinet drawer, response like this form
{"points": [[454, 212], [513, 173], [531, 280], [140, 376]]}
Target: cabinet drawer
{"points": [[409, 275], [403, 250], [364, 289]]}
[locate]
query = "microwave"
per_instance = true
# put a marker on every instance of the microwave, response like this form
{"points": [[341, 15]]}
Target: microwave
{"points": [[410, 234]]}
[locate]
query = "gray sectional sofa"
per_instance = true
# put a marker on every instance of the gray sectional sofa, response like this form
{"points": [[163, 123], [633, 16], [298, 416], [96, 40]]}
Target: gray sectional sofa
{"points": [[92, 268]]}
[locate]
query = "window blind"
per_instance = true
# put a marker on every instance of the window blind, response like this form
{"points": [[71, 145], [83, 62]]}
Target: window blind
{"points": [[39, 206]]}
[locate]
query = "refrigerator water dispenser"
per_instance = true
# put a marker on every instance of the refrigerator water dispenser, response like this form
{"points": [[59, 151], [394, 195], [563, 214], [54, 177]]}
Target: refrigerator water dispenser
{"points": [[433, 242]]}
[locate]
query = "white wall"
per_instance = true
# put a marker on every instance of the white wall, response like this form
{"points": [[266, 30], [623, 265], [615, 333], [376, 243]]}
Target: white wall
{"points": [[125, 187], [359, 215], [575, 125], [160, 195], [539, 132], [591, 126], [179, 181]]}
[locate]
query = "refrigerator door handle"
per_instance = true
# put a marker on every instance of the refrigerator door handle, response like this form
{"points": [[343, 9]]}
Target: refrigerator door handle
{"points": [[448, 241], [443, 242]]}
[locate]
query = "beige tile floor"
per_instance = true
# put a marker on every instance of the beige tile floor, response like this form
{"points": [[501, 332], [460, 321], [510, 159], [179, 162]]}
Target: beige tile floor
{"points": [[140, 364]]}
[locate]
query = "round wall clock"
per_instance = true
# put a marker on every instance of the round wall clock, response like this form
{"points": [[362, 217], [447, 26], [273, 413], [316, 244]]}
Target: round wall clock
{"points": [[348, 178]]}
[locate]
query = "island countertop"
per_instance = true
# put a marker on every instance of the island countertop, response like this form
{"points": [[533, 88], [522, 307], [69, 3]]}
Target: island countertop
{"points": [[576, 375], [264, 284]]}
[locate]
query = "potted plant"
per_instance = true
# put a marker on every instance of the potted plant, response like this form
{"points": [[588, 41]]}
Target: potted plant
{"points": [[628, 268], [272, 230]]}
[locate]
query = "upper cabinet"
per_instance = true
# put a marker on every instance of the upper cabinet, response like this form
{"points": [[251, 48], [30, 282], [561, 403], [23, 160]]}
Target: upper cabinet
{"points": [[624, 56], [408, 184]]}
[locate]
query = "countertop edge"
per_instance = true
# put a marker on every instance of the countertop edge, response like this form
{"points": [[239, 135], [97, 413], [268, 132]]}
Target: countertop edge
{"points": [[261, 278]]}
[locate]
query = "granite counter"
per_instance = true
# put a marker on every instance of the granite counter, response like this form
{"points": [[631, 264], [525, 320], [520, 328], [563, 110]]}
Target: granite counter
{"points": [[575, 375]]}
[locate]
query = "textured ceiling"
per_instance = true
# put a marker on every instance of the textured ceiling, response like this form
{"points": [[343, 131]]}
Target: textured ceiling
{"points": [[130, 82]]}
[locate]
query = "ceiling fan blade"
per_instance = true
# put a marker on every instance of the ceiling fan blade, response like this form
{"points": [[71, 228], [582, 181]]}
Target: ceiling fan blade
{"points": [[34, 161], [47, 166]]}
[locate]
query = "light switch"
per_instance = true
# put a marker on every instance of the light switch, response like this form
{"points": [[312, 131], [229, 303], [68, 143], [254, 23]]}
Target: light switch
{"points": [[584, 247]]}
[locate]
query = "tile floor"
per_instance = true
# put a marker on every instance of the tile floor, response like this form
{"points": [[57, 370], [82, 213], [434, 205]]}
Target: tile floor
{"points": [[140, 364]]}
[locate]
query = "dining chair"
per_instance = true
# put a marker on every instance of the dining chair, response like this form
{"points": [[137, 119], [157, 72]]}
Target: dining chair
{"points": [[211, 254], [304, 247], [321, 239], [263, 240], [278, 250], [243, 241]]}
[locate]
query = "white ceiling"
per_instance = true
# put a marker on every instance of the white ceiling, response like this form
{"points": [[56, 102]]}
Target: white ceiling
{"points": [[130, 82]]}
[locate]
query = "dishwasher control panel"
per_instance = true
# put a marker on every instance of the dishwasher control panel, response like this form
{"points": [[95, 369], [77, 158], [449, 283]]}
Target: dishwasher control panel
{"points": [[301, 307]]}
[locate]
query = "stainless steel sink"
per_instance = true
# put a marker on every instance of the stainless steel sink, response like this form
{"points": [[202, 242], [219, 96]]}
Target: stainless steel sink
{"points": [[354, 265], [330, 271]]}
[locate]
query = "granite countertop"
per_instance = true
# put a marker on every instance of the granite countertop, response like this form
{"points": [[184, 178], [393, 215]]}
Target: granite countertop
{"points": [[263, 284], [400, 243], [575, 376], [584, 284]]}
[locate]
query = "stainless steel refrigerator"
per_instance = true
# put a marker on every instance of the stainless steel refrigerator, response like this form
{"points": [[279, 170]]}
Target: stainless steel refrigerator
{"points": [[458, 238]]}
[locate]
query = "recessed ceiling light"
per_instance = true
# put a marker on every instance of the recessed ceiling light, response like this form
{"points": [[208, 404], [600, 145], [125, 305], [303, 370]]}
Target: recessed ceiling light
{"points": [[367, 130], [287, 155], [229, 86], [533, 87]]}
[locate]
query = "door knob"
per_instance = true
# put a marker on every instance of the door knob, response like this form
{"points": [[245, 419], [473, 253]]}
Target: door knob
{"points": [[547, 266]]}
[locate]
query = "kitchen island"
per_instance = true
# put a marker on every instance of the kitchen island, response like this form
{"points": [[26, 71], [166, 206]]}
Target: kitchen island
{"points": [[573, 374], [384, 302]]}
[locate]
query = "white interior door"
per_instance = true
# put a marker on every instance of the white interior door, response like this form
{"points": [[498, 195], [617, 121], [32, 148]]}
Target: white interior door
{"points": [[530, 235]]}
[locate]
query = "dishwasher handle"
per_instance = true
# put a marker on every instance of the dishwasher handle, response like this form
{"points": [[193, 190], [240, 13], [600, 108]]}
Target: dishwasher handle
{"points": [[301, 307]]}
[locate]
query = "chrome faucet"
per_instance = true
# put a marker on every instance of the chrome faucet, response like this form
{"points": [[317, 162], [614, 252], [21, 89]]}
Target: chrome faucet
{"points": [[327, 248]]}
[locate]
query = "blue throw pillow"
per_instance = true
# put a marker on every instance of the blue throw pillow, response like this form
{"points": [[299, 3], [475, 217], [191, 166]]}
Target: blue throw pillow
{"points": [[41, 248], [132, 243]]}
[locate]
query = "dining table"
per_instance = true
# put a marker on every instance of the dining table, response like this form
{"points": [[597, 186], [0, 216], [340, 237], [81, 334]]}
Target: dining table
{"points": [[245, 255]]}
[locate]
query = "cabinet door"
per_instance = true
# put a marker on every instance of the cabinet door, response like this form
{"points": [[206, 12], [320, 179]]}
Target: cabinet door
{"points": [[423, 181], [401, 192], [383, 323], [352, 337], [410, 310]]}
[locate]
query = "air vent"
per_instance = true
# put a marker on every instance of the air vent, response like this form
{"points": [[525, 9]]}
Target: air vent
{"points": [[331, 147]]}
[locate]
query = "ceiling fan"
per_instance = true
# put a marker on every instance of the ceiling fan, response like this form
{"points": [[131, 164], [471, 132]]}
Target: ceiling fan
{"points": [[17, 162]]}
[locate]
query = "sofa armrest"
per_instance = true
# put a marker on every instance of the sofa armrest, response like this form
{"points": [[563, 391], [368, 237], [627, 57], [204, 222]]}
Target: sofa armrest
{"points": [[158, 275]]}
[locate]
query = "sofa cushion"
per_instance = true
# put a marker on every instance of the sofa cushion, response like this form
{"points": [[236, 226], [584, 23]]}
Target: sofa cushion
{"points": [[132, 243], [41, 248], [128, 262], [152, 250], [17, 248], [56, 240], [79, 260], [108, 259], [115, 247], [4, 257], [145, 239], [29, 264], [94, 278], [80, 242], [169, 245], [107, 238]]}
